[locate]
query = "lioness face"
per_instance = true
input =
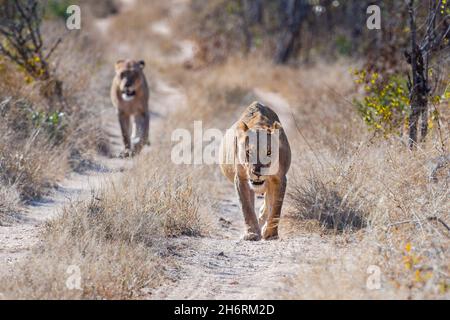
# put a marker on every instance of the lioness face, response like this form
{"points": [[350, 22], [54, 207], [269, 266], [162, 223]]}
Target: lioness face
{"points": [[129, 73], [258, 153]]}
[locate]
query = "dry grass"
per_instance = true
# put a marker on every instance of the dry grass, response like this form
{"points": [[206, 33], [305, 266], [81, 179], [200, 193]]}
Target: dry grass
{"points": [[401, 208], [30, 159], [9, 205], [119, 239]]}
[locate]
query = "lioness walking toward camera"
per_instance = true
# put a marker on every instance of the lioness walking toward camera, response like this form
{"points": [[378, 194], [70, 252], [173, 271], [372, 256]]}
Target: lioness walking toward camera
{"points": [[255, 155], [130, 94]]}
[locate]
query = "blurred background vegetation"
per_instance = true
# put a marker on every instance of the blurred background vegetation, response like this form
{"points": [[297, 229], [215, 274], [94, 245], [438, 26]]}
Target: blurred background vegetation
{"points": [[305, 32]]}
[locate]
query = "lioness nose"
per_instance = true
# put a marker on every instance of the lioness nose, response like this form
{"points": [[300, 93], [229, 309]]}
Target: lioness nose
{"points": [[257, 171]]}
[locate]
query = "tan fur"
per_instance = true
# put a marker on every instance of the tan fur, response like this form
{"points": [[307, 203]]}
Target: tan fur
{"points": [[242, 173], [130, 94]]}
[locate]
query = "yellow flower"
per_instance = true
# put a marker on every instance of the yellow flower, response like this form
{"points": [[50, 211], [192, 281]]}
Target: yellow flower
{"points": [[407, 262], [408, 247], [417, 276], [443, 287], [447, 95]]}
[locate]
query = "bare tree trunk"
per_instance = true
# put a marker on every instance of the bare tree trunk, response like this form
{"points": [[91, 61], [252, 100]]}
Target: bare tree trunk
{"points": [[419, 84], [254, 11], [292, 15], [355, 17], [424, 122], [252, 14]]}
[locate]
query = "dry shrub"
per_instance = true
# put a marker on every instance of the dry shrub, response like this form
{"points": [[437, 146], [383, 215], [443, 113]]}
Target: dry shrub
{"points": [[146, 195], [30, 159], [118, 239], [32, 169], [334, 206], [182, 217]]}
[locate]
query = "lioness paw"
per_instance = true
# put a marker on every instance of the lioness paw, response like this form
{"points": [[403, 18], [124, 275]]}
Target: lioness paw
{"points": [[251, 236], [270, 234], [271, 237], [126, 154]]}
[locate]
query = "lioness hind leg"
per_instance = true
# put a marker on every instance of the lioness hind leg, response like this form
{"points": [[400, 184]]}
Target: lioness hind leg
{"points": [[142, 122]]}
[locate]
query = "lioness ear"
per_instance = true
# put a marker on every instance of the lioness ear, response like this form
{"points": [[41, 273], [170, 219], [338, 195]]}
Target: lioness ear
{"points": [[276, 125], [141, 64], [242, 126], [119, 64]]}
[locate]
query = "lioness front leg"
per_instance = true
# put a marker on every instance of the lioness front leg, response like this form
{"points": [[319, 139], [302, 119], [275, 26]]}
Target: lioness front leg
{"points": [[124, 120], [277, 191], [264, 211], [247, 201], [143, 127]]}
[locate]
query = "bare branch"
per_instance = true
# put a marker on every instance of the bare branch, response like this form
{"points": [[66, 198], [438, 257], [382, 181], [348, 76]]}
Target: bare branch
{"points": [[53, 48]]}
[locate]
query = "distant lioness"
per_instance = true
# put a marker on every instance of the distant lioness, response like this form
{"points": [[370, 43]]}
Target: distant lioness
{"points": [[130, 94], [241, 162]]}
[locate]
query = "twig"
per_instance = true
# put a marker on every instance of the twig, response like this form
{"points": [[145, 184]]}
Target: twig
{"points": [[394, 224], [440, 221], [54, 47]]}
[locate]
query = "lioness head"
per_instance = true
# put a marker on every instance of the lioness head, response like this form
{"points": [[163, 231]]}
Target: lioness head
{"points": [[129, 74], [258, 152]]}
